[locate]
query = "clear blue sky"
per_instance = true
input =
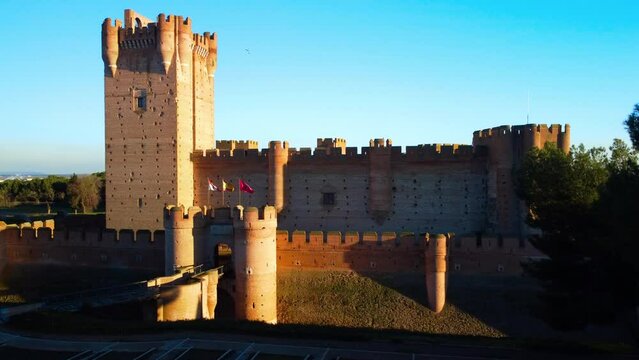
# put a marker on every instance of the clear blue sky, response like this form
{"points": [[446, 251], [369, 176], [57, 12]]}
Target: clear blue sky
{"points": [[414, 71]]}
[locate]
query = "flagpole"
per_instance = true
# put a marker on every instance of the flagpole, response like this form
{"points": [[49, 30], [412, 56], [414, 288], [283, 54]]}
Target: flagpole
{"points": [[223, 191], [239, 193]]}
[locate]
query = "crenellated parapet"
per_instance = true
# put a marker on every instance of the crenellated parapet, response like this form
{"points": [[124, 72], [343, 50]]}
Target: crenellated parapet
{"points": [[525, 136], [380, 143], [236, 144], [39, 243], [168, 36], [331, 145], [185, 235], [176, 218], [441, 151], [253, 217], [350, 240], [248, 149]]}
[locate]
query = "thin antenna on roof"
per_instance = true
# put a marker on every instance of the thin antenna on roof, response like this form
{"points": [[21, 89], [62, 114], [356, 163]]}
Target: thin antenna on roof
{"points": [[528, 113]]}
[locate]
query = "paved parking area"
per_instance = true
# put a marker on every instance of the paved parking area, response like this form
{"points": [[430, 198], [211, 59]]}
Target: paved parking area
{"points": [[22, 348], [26, 348]]}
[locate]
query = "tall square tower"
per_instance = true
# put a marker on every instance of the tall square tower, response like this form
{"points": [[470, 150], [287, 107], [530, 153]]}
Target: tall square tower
{"points": [[158, 91]]}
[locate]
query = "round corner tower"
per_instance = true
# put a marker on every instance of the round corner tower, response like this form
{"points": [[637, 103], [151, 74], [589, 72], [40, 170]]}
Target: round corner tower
{"points": [[278, 158], [436, 263], [183, 232], [256, 264]]}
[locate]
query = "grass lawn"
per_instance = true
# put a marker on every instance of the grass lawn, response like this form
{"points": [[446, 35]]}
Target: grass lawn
{"points": [[21, 212]]}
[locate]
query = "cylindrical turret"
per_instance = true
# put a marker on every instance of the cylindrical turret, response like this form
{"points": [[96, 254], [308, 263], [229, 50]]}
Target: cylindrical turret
{"points": [[166, 40], [179, 235], [256, 265], [110, 47], [211, 59], [185, 43], [436, 262], [277, 160]]}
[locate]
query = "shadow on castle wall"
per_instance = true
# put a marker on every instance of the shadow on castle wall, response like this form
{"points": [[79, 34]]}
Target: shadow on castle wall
{"points": [[83, 246]]}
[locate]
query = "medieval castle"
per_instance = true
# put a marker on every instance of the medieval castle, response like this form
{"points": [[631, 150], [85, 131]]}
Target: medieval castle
{"points": [[332, 207]]}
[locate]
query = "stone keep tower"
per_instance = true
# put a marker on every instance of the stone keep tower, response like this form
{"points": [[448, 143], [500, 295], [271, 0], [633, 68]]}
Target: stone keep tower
{"points": [[158, 86], [255, 263]]}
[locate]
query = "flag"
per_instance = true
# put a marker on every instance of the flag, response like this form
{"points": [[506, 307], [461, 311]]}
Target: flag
{"points": [[245, 187], [212, 186], [227, 186]]}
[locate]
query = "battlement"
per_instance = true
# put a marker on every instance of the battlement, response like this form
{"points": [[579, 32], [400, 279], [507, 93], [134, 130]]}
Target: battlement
{"points": [[140, 32], [439, 150], [244, 150], [230, 154], [507, 130], [164, 19], [278, 145], [377, 143], [330, 142], [253, 214], [184, 25], [236, 144], [110, 24], [145, 37], [176, 218], [299, 239]]}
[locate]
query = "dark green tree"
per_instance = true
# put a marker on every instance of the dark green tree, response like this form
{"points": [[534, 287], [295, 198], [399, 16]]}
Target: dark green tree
{"points": [[561, 191], [632, 125], [618, 245]]}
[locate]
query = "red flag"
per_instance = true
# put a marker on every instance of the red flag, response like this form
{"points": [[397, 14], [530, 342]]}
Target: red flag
{"points": [[245, 187]]}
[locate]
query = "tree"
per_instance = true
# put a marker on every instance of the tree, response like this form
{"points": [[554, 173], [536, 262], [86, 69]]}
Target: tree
{"points": [[618, 208], [561, 191], [632, 125], [4, 198], [84, 192], [44, 192]]}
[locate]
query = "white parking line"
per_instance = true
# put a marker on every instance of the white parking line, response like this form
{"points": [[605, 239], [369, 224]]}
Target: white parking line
{"points": [[239, 357], [145, 353], [171, 349], [325, 353], [224, 355], [184, 353], [78, 355]]}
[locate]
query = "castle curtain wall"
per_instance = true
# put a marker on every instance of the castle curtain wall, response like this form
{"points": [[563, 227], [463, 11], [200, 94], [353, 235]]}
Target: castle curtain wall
{"points": [[430, 188]]}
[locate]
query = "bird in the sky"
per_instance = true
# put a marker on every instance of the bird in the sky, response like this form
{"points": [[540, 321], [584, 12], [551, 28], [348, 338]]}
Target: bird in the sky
{"points": [[248, 51]]}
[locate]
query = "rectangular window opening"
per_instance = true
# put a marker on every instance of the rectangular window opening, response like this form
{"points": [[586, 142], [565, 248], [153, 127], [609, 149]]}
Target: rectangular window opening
{"points": [[328, 199]]}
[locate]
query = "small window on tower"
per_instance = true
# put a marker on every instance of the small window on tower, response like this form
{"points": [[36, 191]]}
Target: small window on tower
{"points": [[328, 199], [139, 100]]}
